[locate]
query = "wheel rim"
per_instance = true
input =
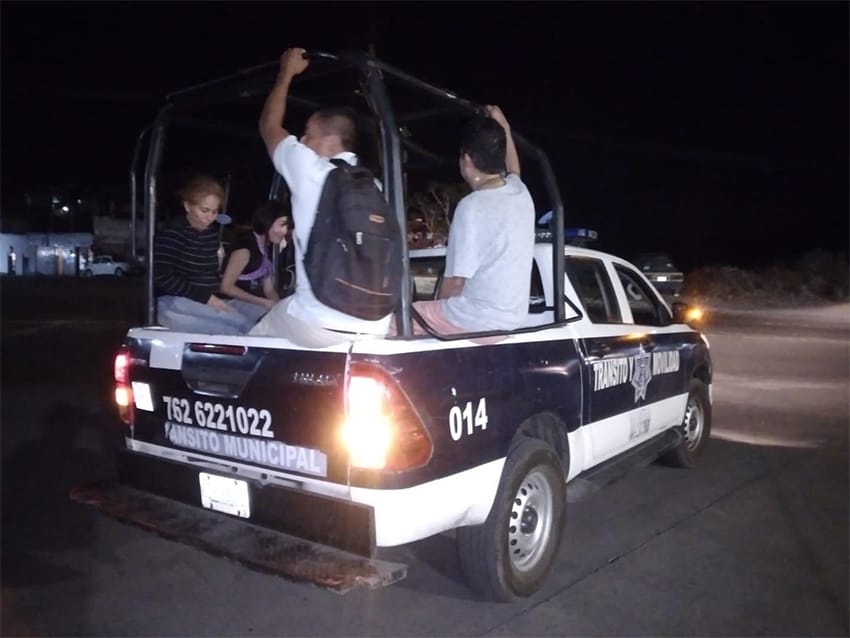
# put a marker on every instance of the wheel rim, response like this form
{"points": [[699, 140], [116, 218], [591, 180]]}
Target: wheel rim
{"points": [[530, 523], [693, 422]]}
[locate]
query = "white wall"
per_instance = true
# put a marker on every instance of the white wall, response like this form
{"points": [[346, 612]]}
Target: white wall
{"points": [[43, 253]]}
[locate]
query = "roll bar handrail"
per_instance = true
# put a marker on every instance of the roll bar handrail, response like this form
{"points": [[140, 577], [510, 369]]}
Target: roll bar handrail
{"points": [[372, 72]]}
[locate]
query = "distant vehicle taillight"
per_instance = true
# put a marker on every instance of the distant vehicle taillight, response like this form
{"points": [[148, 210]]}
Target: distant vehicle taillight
{"points": [[123, 390], [381, 430]]}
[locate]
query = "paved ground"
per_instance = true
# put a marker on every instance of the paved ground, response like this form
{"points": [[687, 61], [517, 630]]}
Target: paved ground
{"points": [[754, 542]]}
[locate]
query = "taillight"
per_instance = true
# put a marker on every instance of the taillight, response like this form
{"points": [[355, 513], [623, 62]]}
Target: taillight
{"points": [[381, 430], [123, 390], [122, 364]]}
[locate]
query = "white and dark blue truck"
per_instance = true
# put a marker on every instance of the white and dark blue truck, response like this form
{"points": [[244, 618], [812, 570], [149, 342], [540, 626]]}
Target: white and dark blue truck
{"points": [[306, 462]]}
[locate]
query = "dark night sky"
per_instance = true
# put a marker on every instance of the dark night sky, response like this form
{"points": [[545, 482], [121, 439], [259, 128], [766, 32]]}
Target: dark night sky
{"points": [[715, 131]]}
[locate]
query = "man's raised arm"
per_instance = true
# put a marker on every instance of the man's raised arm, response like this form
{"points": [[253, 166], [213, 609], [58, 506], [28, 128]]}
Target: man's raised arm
{"points": [[292, 63]]}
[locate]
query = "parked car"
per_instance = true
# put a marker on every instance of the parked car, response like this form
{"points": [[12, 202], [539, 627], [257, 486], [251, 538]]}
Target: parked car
{"points": [[106, 265], [662, 272]]}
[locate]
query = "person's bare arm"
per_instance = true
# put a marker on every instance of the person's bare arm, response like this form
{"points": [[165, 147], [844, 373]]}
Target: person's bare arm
{"points": [[292, 63], [451, 287], [235, 267], [511, 155], [219, 304], [269, 291]]}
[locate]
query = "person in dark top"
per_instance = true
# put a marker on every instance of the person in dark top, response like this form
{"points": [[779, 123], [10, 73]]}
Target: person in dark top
{"points": [[186, 267], [286, 266], [248, 275]]}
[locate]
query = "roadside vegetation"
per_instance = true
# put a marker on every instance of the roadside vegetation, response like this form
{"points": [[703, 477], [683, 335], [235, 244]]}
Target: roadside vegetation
{"points": [[816, 277]]}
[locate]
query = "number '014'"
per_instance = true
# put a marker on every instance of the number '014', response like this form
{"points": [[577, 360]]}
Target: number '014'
{"points": [[458, 416]]}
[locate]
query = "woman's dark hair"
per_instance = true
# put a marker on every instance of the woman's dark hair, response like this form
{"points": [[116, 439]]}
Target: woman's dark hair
{"points": [[485, 142], [267, 212]]}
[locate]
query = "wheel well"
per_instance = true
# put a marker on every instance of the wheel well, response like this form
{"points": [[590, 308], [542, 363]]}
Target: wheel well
{"points": [[703, 375], [548, 428]]}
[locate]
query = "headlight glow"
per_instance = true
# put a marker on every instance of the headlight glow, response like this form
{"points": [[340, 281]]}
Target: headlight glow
{"points": [[694, 314]]}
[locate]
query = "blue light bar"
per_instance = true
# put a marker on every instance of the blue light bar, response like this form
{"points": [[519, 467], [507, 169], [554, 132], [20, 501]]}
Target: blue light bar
{"points": [[576, 236], [580, 233]]}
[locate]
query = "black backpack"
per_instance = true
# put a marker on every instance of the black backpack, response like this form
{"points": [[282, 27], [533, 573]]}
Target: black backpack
{"points": [[353, 256]]}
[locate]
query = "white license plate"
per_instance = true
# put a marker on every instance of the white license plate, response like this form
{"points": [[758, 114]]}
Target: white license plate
{"points": [[662, 277], [224, 494]]}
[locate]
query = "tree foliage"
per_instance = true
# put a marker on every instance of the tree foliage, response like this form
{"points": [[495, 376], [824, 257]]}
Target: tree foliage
{"points": [[430, 211]]}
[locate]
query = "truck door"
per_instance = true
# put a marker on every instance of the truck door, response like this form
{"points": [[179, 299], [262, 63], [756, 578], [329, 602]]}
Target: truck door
{"points": [[666, 348], [618, 359]]}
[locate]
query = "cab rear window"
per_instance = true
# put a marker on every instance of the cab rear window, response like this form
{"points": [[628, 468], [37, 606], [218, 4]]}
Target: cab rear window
{"points": [[645, 307], [590, 280]]}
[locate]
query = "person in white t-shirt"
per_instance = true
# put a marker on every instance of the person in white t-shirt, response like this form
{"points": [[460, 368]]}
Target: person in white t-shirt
{"points": [[305, 164], [486, 282]]}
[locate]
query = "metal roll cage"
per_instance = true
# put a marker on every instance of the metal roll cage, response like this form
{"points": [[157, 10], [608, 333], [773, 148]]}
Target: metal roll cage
{"points": [[255, 83]]}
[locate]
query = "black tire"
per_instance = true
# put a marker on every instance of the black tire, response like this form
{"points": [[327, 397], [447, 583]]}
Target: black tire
{"points": [[509, 556], [87, 273], [696, 428], [119, 272]]}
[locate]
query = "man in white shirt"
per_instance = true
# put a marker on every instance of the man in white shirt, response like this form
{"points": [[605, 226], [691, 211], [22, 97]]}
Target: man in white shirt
{"points": [[305, 164], [491, 240]]}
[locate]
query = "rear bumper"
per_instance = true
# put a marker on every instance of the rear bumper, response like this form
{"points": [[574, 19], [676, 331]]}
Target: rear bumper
{"points": [[321, 519]]}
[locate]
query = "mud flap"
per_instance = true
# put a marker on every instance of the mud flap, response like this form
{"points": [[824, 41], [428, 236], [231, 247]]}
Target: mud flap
{"points": [[255, 547]]}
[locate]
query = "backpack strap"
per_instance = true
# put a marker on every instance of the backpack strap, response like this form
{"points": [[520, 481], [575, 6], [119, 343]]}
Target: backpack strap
{"points": [[328, 193]]}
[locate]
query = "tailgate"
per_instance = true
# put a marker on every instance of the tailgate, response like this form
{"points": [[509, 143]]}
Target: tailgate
{"points": [[270, 408]]}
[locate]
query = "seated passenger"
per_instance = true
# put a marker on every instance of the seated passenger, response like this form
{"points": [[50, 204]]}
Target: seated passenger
{"points": [[186, 267], [248, 274], [491, 239], [286, 265]]}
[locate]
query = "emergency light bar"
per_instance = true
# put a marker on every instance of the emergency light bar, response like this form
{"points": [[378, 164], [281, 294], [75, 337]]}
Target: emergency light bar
{"points": [[577, 236]]}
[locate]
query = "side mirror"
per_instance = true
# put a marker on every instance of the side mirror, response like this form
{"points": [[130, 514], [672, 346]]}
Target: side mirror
{"points": [[686, 313]]}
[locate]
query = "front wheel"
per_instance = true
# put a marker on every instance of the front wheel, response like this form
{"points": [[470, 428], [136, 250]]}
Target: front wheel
{"points": [[87, 273], [119, 272], [509, 555], [696, 428]]}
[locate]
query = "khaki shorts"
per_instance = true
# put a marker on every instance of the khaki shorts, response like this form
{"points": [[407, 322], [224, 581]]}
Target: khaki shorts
{"points": [[277, 322], [433, 312]]}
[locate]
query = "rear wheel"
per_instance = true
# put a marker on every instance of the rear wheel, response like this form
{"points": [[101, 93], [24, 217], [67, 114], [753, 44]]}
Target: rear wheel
{"points": [[696, 428], [510, 554], [119, 272]]}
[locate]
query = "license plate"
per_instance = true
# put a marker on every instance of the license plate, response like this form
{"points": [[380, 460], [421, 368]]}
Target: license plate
{"points": [[662, 277], [224, 494]]}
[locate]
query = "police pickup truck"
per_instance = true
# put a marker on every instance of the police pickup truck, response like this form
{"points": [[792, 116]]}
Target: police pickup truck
{"points": [[232, 440]]}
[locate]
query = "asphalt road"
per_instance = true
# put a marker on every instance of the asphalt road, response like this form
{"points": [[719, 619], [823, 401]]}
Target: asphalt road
{"points": [[752, 542]]}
